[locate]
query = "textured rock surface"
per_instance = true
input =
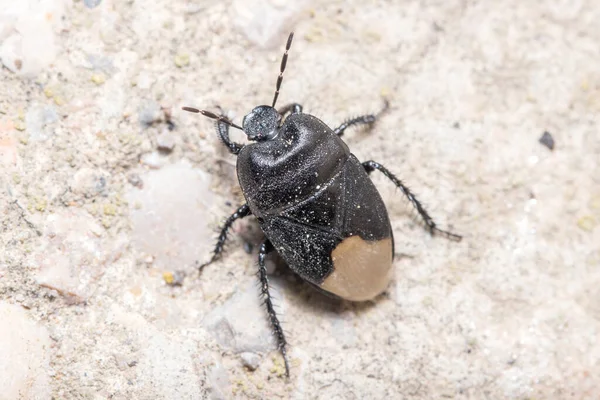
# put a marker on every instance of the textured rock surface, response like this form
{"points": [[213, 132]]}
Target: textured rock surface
{"points": [[24, 355], [109, 194]]}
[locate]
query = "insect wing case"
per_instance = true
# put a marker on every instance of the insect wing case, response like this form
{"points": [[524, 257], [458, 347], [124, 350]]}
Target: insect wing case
{"points": [[319, 209]]}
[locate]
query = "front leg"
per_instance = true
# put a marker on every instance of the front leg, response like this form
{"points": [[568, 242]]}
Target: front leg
{"points": [[223, 132], [371, 166], [293, 108], [265, 248], [241, 212]]}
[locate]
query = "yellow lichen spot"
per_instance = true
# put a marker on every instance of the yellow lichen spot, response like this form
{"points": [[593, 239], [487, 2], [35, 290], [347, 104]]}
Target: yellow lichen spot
{"points": [[20, 126], [40, 204], [278, 367], [373, 35], [17, 178], [182, 60], [110, 209], [48, 92], [168, 277], [106, 222], [427, 301], [587, 223], [98, 79], [585, 85], [314, 35], [23, 139], [59, 101]]}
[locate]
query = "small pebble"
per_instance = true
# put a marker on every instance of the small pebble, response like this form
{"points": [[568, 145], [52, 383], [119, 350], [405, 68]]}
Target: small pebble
{"points": [[92, 3], [149, 113], [250, 360], [135, 180], [39, 120], [153, 160], [165, 141], [174, 278], [547, 140]]}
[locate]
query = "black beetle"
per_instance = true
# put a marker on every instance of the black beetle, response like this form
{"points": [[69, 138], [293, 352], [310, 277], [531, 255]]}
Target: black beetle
{"points": [[314, 201]]}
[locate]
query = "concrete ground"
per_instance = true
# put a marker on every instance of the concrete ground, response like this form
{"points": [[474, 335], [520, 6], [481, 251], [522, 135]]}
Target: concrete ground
{"points": [[109, 194]]}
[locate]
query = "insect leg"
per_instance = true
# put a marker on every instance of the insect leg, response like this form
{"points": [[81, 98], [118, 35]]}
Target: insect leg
{"points": [[368, 119], [223, 132], [265, 248], [241, 212], [293, 108], [370, 166]]}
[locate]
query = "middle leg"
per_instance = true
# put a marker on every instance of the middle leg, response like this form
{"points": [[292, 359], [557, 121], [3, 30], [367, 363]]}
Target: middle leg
{"points": [[265, 248], [241, 212]]}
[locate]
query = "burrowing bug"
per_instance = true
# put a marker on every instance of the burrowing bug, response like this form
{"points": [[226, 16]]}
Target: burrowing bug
{"points": [[314, 201]]}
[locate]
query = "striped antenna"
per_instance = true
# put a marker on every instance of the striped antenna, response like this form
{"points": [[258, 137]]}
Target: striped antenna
{"points": [[212, 115], [282, 68]]}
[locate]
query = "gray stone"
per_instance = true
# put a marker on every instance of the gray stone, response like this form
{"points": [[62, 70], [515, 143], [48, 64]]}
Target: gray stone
{"points": [[92, 3], [89, 182], [135, 180], [149, 113], [38, 120]]}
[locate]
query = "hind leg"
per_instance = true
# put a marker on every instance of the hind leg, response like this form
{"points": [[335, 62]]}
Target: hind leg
{"points": [[266, 248], [371, 166]]}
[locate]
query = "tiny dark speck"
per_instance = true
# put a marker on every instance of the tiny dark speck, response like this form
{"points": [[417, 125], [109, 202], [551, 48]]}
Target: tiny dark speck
{"points": [[547, 140]]}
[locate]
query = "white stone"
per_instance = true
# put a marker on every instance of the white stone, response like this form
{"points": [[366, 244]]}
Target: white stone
{"points": [[24, 359], [250, 360], [27, 38], [266, 22], [72, 255], [172, 215], [154, 160]]}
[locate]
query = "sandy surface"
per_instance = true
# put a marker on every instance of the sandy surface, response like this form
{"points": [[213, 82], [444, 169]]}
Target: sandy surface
{"points": [[96, 221]]}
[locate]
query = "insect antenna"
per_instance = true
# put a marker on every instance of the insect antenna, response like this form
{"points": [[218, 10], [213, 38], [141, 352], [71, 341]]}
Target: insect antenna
{"points": [[282, 67], [212, 115]]}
